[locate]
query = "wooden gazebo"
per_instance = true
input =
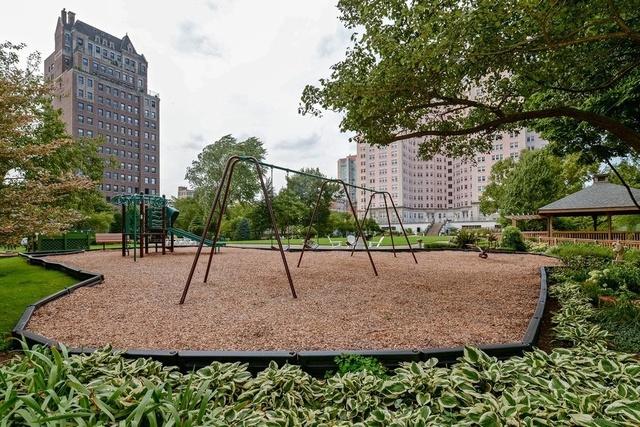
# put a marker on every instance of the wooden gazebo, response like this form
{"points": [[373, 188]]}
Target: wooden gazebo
{"points": [[600, 199]]}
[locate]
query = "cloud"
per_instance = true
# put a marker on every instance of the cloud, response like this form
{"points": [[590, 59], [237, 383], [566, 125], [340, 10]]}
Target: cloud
{"points": [[218, 5], [333, 43], [299, 144], [195, 142], [191, 39]]}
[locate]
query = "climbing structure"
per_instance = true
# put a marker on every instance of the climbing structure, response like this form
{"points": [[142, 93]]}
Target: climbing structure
{"points": [[146, 220]]}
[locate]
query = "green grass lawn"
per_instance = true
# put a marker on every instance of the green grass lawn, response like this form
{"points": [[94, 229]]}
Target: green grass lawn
{"points": [[22, 284], [398, 240]]}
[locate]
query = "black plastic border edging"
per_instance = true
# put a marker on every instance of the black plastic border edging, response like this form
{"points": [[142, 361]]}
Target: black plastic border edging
{"points": [[314, 362]]}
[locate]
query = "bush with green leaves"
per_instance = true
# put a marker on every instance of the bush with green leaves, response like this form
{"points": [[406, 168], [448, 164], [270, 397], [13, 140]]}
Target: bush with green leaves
{"points": [[619, 278], [622, 321], [569, 251], [465, 237], [356, 363], [512, 239], [586, 385]]}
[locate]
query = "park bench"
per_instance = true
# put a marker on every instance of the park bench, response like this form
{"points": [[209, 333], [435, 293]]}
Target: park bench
{"points": [[105, 238]]}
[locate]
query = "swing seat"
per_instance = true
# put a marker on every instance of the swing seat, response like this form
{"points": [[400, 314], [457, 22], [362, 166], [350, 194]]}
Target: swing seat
{"points": [[311, 244]]}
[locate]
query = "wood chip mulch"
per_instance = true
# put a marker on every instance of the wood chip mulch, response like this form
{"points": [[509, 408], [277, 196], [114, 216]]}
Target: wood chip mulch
{"points": [[448, 299]]}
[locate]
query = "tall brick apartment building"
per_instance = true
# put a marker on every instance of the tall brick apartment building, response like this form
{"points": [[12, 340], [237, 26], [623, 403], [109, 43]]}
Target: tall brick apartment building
{"points": [[101, 85]]}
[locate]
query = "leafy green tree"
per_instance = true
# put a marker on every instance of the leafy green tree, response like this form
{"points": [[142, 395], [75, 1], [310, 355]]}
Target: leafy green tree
{"points": [[629, 169], [537, 179], [290, 210], [243, 229], [493, 195], [189, 210], [205, 173], [453, 73], [306, 190], [48, 180], [342, 222]]}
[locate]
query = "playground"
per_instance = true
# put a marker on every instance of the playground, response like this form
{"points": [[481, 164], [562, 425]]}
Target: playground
{"points": [[448, 298]]}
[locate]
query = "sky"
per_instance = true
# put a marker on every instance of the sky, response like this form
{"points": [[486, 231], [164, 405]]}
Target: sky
{"points": [[221, 67]]}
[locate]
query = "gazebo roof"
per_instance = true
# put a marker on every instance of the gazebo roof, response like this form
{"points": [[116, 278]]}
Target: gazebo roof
{"points": [[600, 198]]}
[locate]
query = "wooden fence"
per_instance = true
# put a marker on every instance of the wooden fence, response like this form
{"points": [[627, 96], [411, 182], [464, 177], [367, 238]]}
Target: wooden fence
{"points": [[556, 239]]}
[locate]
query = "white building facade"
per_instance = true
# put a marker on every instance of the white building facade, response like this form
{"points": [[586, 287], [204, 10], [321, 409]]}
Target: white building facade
{"points": [[440, 190]]}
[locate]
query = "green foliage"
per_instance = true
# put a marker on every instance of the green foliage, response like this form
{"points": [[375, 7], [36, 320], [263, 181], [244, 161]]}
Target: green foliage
{"points": [[205, 173], [342, 223], [622, 322], [617, 278], [355, 363], [564, 387], [568, 251], [48, 180], [190, 209], [537, 179], [455, 73], [242, 230], [464, 237], [370, 225], [305, 189], [512, 239]]}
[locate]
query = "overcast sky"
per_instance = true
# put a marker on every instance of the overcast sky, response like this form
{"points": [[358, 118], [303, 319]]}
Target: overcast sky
{"points": [[221, 67]]}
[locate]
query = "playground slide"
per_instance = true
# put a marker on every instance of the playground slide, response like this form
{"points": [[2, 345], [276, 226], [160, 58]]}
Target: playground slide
{"points": [[185, 234]]}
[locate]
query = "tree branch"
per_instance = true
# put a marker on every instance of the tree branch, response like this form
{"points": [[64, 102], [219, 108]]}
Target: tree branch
{"points": [[626, 70], [614, 127], [624, 183]]}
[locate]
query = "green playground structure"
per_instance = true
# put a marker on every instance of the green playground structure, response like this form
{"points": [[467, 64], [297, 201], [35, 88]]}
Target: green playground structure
{"points": [[148, 220]]}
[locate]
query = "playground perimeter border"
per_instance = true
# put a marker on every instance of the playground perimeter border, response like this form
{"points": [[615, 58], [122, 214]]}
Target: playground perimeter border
{"points": [[315, 362]]}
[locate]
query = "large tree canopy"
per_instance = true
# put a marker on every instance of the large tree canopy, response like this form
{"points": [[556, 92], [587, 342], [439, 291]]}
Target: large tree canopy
{"points": [[535, 180], [47, 179], [454, 72], [205, 173]]}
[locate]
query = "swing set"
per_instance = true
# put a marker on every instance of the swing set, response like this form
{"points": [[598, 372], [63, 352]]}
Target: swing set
{"points": [[220, 203]]}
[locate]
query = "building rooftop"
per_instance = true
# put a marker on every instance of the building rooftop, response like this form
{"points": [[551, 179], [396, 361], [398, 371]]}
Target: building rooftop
{"points": [[601, 197]]}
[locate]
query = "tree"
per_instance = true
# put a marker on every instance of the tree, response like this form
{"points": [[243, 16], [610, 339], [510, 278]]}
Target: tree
{"points": [[306, 190], [47, 179], [189, 210], [453, 73], [205, 173], [629, 169], [342, 222], [537, 179], [243, 229]]}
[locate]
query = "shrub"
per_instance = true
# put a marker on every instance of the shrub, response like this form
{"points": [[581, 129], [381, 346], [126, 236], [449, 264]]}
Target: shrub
{"points": [[617, 278], [622, 321], [565, 387], [242, 230], [512, 239], [356, 363], [567, 251], [465, 237]]}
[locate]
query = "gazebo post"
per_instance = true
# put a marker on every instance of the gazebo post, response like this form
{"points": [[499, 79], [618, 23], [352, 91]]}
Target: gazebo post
{"points": [[549, 226], [595, 222], [609, 226]]}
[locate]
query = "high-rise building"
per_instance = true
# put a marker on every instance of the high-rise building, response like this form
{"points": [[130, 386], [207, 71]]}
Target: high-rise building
{"points": [[439, 190], [185, 192], [347, 173], [101, 88]]}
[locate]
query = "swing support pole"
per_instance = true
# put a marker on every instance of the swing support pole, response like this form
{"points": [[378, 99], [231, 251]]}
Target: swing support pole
{"points": [[223, 192]]}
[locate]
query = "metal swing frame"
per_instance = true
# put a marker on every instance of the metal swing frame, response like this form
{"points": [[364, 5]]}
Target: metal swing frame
{"points": [[220, 202]]}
